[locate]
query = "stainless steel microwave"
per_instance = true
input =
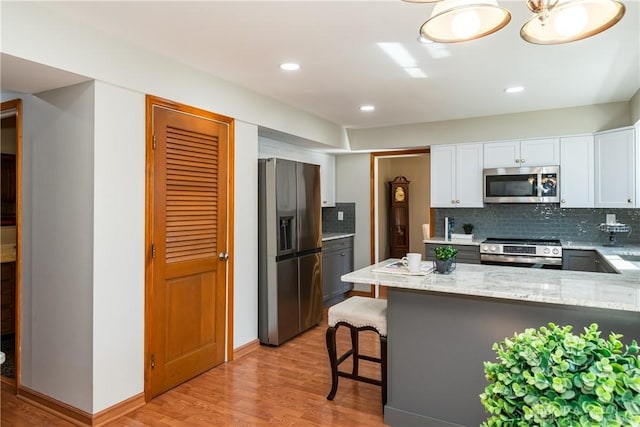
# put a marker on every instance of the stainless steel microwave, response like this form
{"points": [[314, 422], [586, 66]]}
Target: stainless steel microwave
{"points": [[536, 184]]}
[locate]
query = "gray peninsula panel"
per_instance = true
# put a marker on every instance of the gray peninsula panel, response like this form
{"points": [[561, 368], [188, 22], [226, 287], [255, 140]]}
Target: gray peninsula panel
{"points": [[437, 344]]}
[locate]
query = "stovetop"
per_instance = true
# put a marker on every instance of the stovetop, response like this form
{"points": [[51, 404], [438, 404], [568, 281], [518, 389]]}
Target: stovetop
{"points": [[527, 242]]}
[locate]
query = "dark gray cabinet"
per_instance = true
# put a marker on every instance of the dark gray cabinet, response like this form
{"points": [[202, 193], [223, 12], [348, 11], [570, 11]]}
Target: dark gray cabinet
{"points": [[579, 260], [467, 254], [337, 259], [585, 260]]}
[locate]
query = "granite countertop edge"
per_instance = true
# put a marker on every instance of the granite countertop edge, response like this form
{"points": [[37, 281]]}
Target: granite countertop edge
{"points": [[336, 235], [627, 249], [632, 249], [442, 241], [563, 287]]}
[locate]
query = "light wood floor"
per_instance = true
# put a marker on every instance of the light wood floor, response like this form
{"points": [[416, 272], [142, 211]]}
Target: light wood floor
{"points": [[284, 385]]}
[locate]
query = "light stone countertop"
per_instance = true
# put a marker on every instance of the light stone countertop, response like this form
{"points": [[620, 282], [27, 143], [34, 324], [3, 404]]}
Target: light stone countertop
{"points": [[333, 236], [442, 241], [575, 288], [612, 254], [604, 250]]}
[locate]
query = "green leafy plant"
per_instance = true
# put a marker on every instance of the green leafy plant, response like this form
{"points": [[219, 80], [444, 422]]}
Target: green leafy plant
{"points": [[551, 377], [445, 252]]}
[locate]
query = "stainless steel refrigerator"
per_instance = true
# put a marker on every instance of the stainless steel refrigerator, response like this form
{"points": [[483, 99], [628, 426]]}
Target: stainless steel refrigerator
{"points": [[289, 249]]}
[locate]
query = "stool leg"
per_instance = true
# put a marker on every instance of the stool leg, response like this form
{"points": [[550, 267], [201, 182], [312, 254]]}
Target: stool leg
{"points": [[383, 364], [333, 360], [355, 349]]}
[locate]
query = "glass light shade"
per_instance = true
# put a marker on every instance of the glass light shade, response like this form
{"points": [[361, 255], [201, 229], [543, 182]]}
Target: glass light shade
{"points": [[460, 20], [572, 20]]}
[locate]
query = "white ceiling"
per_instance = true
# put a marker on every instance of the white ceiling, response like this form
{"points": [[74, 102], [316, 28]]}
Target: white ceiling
{"points": [[336, 43]]}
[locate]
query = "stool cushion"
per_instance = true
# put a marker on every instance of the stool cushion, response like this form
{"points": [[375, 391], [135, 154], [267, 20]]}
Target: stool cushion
{"points": [[360, 312]]}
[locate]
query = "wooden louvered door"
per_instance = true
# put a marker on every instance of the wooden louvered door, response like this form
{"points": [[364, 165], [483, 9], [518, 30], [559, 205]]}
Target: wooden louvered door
{"points": [[189, 201]]}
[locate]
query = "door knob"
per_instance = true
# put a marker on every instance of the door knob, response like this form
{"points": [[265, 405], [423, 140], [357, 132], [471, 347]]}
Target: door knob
{"points": [[223, 256]]}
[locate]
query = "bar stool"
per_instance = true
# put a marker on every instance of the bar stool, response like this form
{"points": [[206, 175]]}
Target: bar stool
{"points": [[358, 314]]}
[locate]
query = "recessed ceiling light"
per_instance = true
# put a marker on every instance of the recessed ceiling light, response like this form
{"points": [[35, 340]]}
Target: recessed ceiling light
{"points": [[367, 107], [514, 89], [290, 66]]}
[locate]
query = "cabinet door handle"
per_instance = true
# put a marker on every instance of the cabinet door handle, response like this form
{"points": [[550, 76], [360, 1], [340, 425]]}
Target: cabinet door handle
{"points": [[521, 160], [563, 201], [343, 254], [628, 200]]}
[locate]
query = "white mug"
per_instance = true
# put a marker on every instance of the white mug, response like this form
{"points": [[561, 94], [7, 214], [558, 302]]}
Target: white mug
{"points": [[412, 262]]}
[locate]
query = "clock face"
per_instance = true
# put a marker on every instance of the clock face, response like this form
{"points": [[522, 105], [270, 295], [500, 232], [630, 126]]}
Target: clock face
{"points": [[399, 194]]}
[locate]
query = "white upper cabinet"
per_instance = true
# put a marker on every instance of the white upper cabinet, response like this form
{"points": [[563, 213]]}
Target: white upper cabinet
{"points": [[271, 148], [577, 172], [615, 171], [637, 162], [502, 154], [530, 152], [327, 178], [540, 152], [456, 176], [443, 176]]}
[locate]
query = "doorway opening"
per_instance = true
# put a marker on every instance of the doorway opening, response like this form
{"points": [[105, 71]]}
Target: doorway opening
{"points": [[10, 232], [415, 165]]}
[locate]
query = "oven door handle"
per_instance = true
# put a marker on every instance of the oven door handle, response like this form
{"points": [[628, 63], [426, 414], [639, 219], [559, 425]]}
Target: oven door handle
{"points": [[520, 259]]}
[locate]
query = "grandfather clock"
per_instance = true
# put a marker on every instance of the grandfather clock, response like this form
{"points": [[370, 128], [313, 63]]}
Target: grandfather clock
{"points": [[399, 217]]}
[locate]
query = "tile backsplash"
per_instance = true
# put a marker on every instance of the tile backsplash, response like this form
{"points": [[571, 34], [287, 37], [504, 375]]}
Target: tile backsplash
{"points": [[330, 223], [540, 221]]}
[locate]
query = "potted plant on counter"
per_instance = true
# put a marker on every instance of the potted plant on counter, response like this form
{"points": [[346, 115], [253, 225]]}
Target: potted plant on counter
{"points": [[445, 257], [468, 228], [551, 377]]}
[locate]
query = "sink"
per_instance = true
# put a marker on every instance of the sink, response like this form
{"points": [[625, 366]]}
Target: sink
{"points": [[632, 258]]}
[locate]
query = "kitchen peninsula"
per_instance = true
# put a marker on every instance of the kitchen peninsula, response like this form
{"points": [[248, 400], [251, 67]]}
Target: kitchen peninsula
{"points": [[442, 327]]}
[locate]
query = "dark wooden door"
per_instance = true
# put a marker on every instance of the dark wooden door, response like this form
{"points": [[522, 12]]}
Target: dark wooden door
{"points": [[187, 302]]}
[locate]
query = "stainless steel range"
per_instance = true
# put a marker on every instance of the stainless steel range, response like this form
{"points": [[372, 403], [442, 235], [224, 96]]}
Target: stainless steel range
{"points": [[541, 253]]}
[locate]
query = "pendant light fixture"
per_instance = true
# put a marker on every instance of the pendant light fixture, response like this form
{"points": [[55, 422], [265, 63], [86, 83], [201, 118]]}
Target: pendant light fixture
{"points": [[554, 22], [564, 21], [461, 20]]}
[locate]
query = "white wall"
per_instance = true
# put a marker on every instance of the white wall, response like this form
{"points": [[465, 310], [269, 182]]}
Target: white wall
{"points": [[58, 348], [118, 245], [352, 178], [33, 32], [124, 75], [565, 121], [634, 104], [246, 234]]}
